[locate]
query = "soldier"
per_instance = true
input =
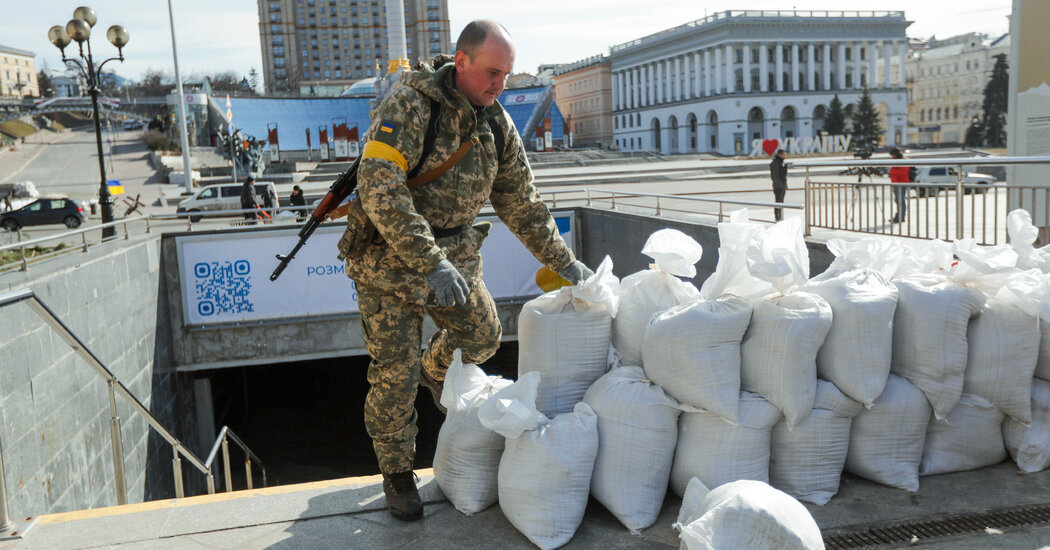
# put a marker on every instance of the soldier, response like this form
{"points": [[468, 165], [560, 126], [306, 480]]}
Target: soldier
{"points": [[425, 255]]}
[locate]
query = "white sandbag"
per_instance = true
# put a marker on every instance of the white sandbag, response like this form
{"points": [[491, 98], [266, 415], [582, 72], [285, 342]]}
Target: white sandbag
{"points": [[1029, 446], [637, 434], [1003, 344], [779, 351], [693, 352], [1022, 236], [886, 441], [1042, 367], [467, 457], [655, 289], [970, 438], [929, 336], [545, 477], [857, 350], [744, 515], [717, 452], [564, 335], [807, 463]]}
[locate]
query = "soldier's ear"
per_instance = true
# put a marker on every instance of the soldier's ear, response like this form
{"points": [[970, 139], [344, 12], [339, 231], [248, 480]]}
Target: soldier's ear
{"points": [[461, 58]]}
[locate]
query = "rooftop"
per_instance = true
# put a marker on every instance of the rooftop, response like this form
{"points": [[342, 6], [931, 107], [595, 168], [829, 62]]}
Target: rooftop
{"points": [[723, 16], [16, 51]]}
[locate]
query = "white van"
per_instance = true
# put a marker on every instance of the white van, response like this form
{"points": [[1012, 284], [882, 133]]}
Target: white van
{"points": [[223, 196], [948, 175]]}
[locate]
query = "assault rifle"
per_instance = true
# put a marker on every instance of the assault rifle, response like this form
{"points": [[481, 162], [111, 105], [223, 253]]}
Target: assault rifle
{"points": [[337, 193]]}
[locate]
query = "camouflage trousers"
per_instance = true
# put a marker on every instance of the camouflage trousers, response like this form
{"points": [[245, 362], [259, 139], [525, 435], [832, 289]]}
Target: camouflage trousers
{"points": [[393, 332]]}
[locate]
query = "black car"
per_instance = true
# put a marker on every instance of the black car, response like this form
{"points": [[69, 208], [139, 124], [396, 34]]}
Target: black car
{"points": [[44, 211]]}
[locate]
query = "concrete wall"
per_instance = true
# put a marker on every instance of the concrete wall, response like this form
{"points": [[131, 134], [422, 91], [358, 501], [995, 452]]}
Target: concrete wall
{"points": [[54, 408], [622, 236]]}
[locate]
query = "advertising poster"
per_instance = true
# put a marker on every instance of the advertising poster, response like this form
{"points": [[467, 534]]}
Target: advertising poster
{"points": [[225, 278]]}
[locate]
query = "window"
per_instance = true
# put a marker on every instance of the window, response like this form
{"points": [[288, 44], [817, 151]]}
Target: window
{"points": [[278, 51], [278, 62]]}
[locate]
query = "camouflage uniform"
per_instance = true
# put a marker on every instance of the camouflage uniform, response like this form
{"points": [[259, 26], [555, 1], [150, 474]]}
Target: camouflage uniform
{"points": [[392, 294]]}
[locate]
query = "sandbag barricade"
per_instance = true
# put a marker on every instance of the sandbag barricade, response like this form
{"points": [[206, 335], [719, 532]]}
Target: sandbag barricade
{"points": [[718, 452], [564, 335], [807, 462], [655, 289], [466, 461], [886, 441], [744, 515], [637, 435]]}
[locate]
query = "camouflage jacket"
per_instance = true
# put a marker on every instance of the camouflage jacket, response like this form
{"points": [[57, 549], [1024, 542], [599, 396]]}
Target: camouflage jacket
{"points": [[407, 250]]}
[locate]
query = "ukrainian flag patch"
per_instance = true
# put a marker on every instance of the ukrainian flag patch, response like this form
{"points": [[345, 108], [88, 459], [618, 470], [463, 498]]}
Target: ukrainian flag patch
{"points": [[387, 132]]}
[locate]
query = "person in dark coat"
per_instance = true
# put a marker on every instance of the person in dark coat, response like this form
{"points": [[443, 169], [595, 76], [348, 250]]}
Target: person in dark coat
{"points": [[779, 172], [248, 198], [298, 199]]}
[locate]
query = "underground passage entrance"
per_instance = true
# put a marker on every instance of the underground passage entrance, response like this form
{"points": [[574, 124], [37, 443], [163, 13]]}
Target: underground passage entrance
{"points": [[305, 420]]}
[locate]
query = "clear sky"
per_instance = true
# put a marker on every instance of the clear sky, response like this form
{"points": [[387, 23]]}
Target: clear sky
{"points": [[222, 35]]}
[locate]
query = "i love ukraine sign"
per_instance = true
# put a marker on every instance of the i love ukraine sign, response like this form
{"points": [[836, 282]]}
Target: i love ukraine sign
{"points": [[802, 145]]}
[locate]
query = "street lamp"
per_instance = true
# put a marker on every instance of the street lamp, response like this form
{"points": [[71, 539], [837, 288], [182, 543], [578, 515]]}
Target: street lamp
{"points": [[79, 29]]}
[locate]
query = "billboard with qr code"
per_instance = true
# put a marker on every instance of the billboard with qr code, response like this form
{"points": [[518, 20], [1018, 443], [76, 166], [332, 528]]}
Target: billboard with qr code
{"points": [[224, 277]]}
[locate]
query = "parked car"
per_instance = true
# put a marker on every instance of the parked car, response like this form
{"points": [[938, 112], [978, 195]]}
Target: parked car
{"points": [[948, 175], [42, 212], [223, 196], [132, 124]]}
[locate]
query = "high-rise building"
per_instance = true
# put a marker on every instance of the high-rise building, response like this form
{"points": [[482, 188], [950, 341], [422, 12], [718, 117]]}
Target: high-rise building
{"points": [[321, 47]]}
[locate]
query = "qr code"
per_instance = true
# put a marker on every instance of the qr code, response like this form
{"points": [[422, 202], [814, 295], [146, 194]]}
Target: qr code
{"points": [[223, 287]]}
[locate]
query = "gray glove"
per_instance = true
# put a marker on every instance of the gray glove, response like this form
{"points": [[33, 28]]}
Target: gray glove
{"points": [[576, 273], [449, 286]]}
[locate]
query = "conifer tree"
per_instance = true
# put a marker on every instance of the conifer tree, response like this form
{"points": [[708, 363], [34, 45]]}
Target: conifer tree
{"points": [[866, 130], [835, 118], [995, 104]]}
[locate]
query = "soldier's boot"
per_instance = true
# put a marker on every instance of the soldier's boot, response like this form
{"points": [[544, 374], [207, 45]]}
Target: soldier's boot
{"points": [[428, 381], [435, 386], [402, 497]]}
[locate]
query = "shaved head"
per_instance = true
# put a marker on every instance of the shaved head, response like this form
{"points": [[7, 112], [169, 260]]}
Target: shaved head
{"points": [[477, 32], [484, 59]]}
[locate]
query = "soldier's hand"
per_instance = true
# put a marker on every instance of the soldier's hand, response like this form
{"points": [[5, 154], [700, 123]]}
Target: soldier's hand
{"points": [[450, 288], [576, 273]]}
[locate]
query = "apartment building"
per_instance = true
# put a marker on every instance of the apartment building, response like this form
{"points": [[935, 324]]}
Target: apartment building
{"points": [[18, 77], [321, 47]]}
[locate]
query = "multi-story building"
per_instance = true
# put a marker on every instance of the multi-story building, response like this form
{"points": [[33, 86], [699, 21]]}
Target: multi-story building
{"points": [[321, 47], [720, 83], [18, 73], [583, 92], [946, 81]]}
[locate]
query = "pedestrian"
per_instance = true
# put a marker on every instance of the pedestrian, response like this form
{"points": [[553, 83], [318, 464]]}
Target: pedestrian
{"points": [[899, 174], [248, 198], [424, 256], [269, 197], [297, 199], [779, 172]]}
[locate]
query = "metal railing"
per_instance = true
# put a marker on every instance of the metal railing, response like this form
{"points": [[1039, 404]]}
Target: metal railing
{"points": [[116, 387], [660, 202], [222, 441], [934, 211]]}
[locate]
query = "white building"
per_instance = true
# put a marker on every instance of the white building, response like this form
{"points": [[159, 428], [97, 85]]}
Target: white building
{"points": [[720, 83], [946, 80]]}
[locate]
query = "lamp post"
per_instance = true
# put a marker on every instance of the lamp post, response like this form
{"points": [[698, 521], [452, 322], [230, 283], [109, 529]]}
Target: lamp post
{"points": [[79, 29]]}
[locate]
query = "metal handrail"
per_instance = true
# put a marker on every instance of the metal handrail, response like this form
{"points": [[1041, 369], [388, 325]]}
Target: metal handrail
{"points": [[221, 441], [958, 162], [116, 387], [612, 196]]}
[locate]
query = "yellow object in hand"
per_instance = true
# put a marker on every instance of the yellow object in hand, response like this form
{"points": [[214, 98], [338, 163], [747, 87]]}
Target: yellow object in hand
{"points": [[548, 280]]}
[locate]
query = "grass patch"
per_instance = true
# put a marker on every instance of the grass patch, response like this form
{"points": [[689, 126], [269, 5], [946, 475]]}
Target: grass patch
{"points": [[17, 129], [70, 119], [13, 256]]}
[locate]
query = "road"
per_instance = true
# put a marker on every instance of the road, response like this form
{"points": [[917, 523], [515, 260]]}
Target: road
{"points": [[68, 164]]}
